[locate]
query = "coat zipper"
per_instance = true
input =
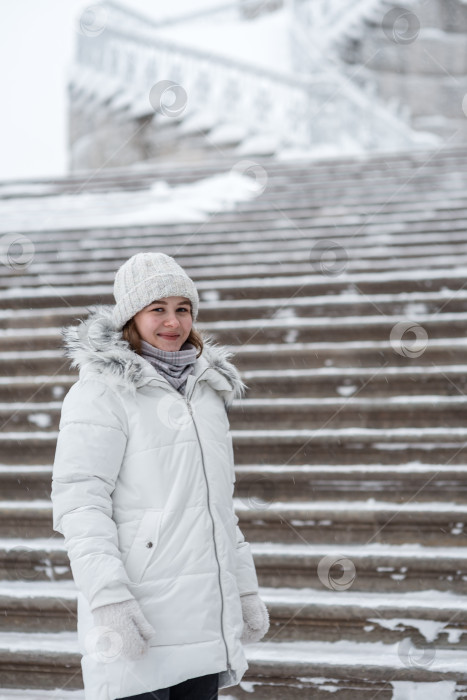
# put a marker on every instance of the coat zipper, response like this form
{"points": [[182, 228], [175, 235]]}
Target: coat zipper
{"points": [[190, 409]]}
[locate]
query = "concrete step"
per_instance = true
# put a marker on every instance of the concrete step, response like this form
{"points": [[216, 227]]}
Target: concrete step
{"points": [[287, 330], [366, 243], [265, 483], [327, 263], [26, 519], [389, 191], [343, 522], [315, 413], [289, 413], [315, 283], [39, 660], [429, 618], [431, 195], [27, 387], [347, 670], [293, 171], [373, 567], [34, 559], [414, 482], [21, 482], [349, 328], [350, 446], [333, 445], [296, 614], [377, 567], [305, 614], [445, 301], [38, 606], [300, 668], [336, 521], [29, 415], [374, 358], [313, 186], [417, 381], [294, 175], [272, 216], [49, 366], [31, 694], [414, 380], [354, 256]]}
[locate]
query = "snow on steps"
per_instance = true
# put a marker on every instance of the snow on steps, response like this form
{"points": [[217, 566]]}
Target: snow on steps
{"points": [[264, 483], [344, 445], [305, 262], [413, 381], [320, 688], [251, 287], [290, 413], [401, 232], [379, 566], [287, 329], [345, 662], [30, 694], [349, 522], [295, 614], [419, 482], [355, 254], [402, 591], [336, 304], [373, 357]]}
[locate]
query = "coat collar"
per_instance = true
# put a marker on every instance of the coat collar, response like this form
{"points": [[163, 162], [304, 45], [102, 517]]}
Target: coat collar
{"points": [[96, 346]]}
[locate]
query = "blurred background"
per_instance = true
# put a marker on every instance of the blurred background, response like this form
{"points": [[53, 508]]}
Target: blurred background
{"points": [[113, 84]]}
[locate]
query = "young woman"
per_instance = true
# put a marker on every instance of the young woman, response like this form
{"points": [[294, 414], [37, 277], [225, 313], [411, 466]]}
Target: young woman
{"points": [[142, 490]]}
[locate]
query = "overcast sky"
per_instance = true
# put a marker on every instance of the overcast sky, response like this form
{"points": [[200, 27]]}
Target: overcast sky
{"points": [[37, 41]]}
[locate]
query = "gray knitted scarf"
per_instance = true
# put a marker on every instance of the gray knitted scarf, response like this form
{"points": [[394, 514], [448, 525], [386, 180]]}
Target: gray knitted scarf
{"points": [[174, 365]]}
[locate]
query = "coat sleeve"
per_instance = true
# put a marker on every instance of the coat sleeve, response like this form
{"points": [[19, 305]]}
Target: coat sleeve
{"points": [[247, 581], [90, 447]]}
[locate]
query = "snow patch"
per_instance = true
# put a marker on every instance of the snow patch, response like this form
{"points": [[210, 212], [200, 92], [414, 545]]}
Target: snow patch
{"points": [[429, 629], [161, 203], [407, 690], [42, 420], [346, 390]]}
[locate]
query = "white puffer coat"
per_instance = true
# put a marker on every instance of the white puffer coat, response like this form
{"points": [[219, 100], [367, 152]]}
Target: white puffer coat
{"points": [[142, 489]]}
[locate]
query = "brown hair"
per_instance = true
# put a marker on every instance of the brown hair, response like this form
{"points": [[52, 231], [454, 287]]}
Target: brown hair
{"points": [[131, 335]]}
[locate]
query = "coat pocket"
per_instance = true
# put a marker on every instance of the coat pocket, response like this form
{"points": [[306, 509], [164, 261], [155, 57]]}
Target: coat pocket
{"points": [[144, 545]]}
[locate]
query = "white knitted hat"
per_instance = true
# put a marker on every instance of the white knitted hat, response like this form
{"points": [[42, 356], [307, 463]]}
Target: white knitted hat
{"points": [[146, 277]]}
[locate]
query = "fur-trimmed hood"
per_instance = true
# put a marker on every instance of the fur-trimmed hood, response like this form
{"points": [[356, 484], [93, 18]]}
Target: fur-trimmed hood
{"points": [[97, 346]]}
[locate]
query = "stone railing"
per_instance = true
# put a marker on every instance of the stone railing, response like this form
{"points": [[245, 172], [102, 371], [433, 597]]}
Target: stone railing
{"points": [[122, 67], [316, 23]]}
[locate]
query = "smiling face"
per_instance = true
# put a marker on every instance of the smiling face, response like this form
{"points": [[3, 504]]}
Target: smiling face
{"points": [[165, 323]]}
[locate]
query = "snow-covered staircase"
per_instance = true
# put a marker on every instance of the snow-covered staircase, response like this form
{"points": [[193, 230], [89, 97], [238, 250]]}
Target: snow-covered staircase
{"points": [[415, 56], [350, 447]]}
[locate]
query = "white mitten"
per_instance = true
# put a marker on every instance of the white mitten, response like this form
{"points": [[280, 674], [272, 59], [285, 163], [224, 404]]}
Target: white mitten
{"points": [[255, 618], [127, 621]]}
